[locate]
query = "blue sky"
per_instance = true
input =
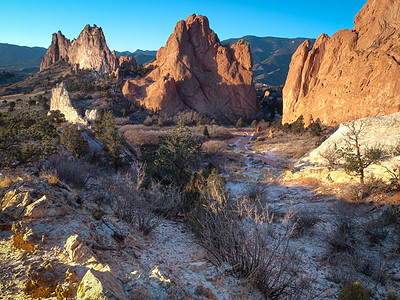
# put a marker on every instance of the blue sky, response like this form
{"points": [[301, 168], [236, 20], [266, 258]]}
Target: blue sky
{"points": [[147, 24]]}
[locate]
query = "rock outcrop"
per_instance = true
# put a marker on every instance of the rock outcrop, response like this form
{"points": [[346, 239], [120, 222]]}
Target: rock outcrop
{"points": [[61, 101], [194, 71], [88, 51], [353, 74]]}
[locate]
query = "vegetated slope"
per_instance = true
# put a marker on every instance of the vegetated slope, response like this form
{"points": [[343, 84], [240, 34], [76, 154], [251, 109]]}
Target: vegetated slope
{"points": [[271, 57], [20, 58]]}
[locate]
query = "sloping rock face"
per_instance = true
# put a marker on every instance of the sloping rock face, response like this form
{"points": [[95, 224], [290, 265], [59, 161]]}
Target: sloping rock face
{"points": [[194, 71], [61, 101], [88, 51], [353, 74]]}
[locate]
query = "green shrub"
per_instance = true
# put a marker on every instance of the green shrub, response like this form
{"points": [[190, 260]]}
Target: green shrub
{"points": [[106, 131], [11, 106], [178, 152], [254, 124], [315, 129], [240, 123], [73, 140], [353, 291], [205, 132], [297, 126], [320, 141], [27, 136], [31, 102]]}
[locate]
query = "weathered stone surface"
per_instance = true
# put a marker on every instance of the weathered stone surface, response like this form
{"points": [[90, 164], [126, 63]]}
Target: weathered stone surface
{"points": [[14, 203], [61, 101], [194, 71], [24, 236], [100, 285], [43, 279], [78, 251], [88, 51], [353, 74], [377, 130]]}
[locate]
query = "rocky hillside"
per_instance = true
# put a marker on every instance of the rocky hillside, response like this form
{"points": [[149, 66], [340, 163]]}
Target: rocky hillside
{"points": [[271, 57], [194, 70], [351, 75], [88, 51]]}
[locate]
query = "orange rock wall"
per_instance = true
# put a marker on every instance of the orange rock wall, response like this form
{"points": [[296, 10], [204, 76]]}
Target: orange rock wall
{"points": [[353, 74]]}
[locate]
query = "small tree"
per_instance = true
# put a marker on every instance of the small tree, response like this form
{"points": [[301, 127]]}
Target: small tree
{"points": [[205, 132], [356, 158], [254, 124], [73, 140], [240, 123], [11, 106], [315, 129], [160, 122], [178, 152], [106, 131]]}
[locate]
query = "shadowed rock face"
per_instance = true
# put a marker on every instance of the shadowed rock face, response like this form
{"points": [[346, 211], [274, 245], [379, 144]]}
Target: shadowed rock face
{"points": [[195, 71], [351, 75], [88, 51]]}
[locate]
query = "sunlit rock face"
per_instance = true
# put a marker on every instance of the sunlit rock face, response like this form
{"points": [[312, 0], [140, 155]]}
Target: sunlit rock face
{"points": [[88, 51], [353, 74], [194, 71]]}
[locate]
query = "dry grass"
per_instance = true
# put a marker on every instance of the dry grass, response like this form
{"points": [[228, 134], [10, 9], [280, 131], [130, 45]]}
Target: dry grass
{"points": [[287, 144], [6, 181], [50, 175], [214, 148], [138, 135]]}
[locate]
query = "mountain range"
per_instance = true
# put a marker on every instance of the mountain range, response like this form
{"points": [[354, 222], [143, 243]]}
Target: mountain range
{"points": [[271, 57]]}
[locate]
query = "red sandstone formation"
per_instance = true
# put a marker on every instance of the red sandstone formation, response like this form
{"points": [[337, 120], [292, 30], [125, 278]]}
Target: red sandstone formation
{"points": [[194, 71], [88, 51], [353, 74]]}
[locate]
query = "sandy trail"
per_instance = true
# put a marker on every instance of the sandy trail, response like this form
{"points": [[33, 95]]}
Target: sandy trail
{"points": [[241, 145]]}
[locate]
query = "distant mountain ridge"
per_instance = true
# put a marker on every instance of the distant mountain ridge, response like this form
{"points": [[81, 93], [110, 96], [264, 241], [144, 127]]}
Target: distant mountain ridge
{"points": [[141, 56], [271, 57], [20, 58]]}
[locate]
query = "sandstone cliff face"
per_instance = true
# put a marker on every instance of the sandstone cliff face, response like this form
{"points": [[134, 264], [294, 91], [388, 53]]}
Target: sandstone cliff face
{"points": [[88, 51], [353, 74], [195, 71], [61, 101]]}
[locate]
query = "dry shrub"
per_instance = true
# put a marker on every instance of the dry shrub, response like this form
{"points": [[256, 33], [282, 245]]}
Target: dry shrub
{"points": [[127, 201], [300, 152], [215, 148], [331, 156], [6, 180], [345, 228], [138, 135], [219, 132], [309, 181], [73, 171], [352, 193], [49, 175], [239, 233], [304, 221], [190, 117]]}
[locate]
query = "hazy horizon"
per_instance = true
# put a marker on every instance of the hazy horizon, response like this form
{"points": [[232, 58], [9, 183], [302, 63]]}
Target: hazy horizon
{"points": [[131, 26]]}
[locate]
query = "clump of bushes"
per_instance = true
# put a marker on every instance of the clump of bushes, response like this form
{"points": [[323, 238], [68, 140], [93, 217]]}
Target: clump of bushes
{"points": [[354, 291], [72, 139], [27, 136]]}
